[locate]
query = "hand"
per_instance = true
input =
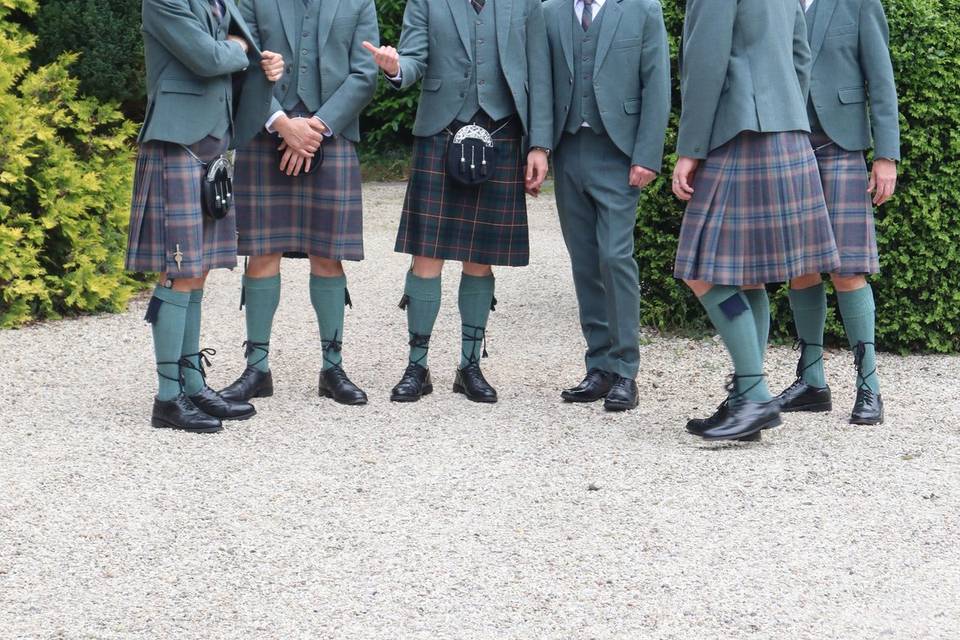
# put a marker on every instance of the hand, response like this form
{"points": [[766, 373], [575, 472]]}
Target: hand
{"points": [[293, 161], [883, 180], [300, 134], [272, 65], [243, 43], [683, 175], [386, 58], [641, 176], [536, 171]]}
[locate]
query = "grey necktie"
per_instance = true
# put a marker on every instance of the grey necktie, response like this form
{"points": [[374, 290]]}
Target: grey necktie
{"points": [[478, 5], [587, 19]]}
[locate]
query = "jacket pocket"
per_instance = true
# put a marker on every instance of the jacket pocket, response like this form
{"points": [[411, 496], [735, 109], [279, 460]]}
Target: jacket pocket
{"points": [[632, 106], [843, 30], [626, 43], [432, 84], [172, 85], [852, 95]]}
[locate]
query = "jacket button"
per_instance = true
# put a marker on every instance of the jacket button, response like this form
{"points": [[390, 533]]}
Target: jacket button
{"points": [[222, 99]]}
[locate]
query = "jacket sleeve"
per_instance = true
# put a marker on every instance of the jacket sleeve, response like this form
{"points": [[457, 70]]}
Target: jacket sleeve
{"points": [[249, 13], [357, 90], [707, 43], [539, 79], [878, 71], [184, 36], [414, 46], [802, 58], [655, 92]]}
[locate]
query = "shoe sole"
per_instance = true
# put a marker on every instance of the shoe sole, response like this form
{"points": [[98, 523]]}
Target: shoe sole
{"points": [[242, 417], [576, 400], [819, 407], [866, 423], [749, 436], [259, 393], [616, 408], [427, 390], [163, 424], [460, 389], [326, 393]]}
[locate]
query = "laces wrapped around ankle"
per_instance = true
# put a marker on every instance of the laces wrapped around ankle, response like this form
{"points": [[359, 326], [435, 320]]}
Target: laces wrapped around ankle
{"points": [[801, 345], [420, 341], [859, 352], [473, 335], [249, 347], [733, 379], [203, 361], [331, 346]]}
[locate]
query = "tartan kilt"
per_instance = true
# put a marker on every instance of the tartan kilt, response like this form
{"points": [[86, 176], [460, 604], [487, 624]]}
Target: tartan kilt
{"points": [[757, 214], [166, 214], [320, 214], [844, 177], [486, 224]]}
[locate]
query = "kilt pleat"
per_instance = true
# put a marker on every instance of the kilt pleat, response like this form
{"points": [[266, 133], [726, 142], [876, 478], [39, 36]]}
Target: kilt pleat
{"points": [[757, 214], [320, 214], [485, 224], [166, 216], [844, 177]]}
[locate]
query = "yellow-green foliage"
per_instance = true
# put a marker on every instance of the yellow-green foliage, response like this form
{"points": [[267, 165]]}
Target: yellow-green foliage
{"points": [[65, 182]]}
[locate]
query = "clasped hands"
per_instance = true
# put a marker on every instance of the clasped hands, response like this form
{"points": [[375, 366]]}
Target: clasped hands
{"points": [[301, 139]]}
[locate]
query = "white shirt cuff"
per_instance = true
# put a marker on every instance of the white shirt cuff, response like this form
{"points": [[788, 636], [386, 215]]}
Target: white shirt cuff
{"points": [[273, 118], [329, 132], [397, 78]]}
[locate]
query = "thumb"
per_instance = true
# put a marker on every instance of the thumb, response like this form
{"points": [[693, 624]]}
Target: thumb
{"points": [[369, 47], [873, 182], [531, 169]]}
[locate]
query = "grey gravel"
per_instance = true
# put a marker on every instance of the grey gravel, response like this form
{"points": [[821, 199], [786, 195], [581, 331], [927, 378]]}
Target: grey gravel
{"points": [[452, 520]]}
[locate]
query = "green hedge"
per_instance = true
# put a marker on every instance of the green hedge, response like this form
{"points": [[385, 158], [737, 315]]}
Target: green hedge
{"points": [[106, 34], [918, 297], [65, 182]]}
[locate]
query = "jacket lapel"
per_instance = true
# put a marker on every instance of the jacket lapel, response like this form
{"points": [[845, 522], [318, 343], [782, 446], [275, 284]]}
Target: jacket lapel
{"points": [[288, 19], [203, 10], [459, 10], [504, 15], [611, 19], [820, 23], [325, 21], [566, 16], [237, 21]]}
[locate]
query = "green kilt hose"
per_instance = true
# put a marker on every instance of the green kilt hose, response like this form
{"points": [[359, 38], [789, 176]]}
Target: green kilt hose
{"points": [[318, 214], [167, 219], [757, 214], [486, 224], [844, 177]]}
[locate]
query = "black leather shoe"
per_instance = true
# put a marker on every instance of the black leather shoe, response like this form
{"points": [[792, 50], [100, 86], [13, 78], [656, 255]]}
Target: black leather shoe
{"points": [[697, 426], [744, 420], [415, 383], [868, 408], [623, 395], [335, 384], [180, 413], [252, 383], [214, 404], [801, 396], [471, 383], [593, 387]]}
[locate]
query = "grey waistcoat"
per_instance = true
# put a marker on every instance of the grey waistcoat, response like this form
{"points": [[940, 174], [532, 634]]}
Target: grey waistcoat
{"points": [[487, 88], [584, 106], [305, 85]]}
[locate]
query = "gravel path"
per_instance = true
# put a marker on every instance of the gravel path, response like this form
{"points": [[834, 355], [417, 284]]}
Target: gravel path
{"points": [[529, 519]]}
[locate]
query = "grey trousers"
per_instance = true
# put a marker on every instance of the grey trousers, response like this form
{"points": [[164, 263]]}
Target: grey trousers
{"points": [[598, 212]]}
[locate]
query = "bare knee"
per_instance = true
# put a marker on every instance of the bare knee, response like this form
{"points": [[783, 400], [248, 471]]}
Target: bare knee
{"points": [[264, 266], [427, 267], [325, 267], [848, 283], [806, 281], [188, 284], [477, 270], [699, 287]]}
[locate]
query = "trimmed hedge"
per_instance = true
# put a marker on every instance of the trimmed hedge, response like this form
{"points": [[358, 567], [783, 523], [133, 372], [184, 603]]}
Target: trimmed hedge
{"points": [[918, 290], [65, 183]]}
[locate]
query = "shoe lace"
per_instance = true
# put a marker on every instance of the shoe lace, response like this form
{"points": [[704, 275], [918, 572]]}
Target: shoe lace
{"points": [[473, 334], [179, 379], [249, 347], [203, 361], [419, 341], [731, 386], [859, 352], [801, 345], [332, 346]]}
